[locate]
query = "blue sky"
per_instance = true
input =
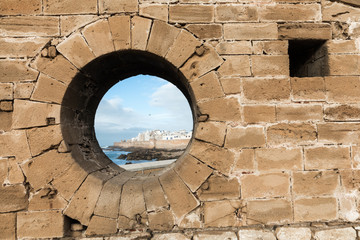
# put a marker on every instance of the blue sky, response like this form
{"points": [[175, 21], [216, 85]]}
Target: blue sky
{"points": [[140, 103]]}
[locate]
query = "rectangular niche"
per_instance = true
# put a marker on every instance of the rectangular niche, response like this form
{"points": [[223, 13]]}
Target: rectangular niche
{"points": [[308, 58]]}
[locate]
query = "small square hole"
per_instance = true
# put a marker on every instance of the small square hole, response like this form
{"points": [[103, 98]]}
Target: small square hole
{"points": [[308, 58]]}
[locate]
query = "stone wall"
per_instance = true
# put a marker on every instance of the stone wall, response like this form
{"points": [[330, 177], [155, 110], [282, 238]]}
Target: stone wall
{"points": [[274, 88]]}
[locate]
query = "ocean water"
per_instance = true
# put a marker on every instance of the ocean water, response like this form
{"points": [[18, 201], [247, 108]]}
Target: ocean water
{"points": [[114, 154]]}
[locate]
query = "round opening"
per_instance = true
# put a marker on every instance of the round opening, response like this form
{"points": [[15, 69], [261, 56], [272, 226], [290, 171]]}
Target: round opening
{"points": [[88, 87], [143, 119]]}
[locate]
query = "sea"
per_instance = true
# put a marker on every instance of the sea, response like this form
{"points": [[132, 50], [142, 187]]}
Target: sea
{"points": [[113, 155]]}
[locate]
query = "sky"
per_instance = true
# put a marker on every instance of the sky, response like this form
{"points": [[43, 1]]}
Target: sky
{"points": [[138, 104]]}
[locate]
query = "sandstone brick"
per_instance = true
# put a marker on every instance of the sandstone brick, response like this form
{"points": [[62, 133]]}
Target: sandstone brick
{"points": [[21, 47], [8, 226], [6, 106], [181, 200], [231, 85], [206, 31], [132, 199], [349, 112], [245, 161], [245, 137], [183, 47], [292, 233], [279, 159], [15, 70], [270, 47], [13, 198], [156, 11], [265, 90], [47, 224], [98, 37], [212, 132], [235, 65], [69, 7], [295, 133], [234, 47], [207, 86], [259, 113], [82, 204], [161, 38], [219, 188], [23, 90], [192, 171], [39, 26], [32, 114], [253, 234], [270, 65], [250, 31], [165, 236], [192, 220], [345, 133], [327, 158], [191, 13], [315, 183], [70, 23], [154, 195], [339, 234], [341, 46], [333, 11], [299, 112], [140, 29], [290, 12], [199, 64], [76, 50], [221, 109], [6, 91], [6, 121], [224, 213], [305, 31], [14, 143], [344, 64], [14, 174], [315, 209], [265, 185], [215, 235], [162, 221], [108, 6], [14, 7], [308, 89], [120, 28], [41, 139], [236, 13], [101, 226], [48, 90]]}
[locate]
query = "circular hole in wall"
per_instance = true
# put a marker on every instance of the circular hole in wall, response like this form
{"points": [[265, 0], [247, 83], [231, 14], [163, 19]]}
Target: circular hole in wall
{"points": [[143, 119]]}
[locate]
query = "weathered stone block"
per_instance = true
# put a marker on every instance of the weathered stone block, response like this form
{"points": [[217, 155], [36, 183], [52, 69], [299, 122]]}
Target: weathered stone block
{"points": [[165, 236], [334, 11], [215, 235], [192, 171], [206, 87], [53, 7], [191, 13], [70, 23], [140, 29], [14, 7], [221, 109], [6, 121], [245, 161], [292, 233], [344, 113], [155, 11], [23, 90], [253, 234], [278, 159], [8, 226], [120, 31], [348, 233], [99, 38], [206, 31], [270, 47], [270, 65], [109, 6], [259, 113], [219, 188], [181, 200], [308, 89], [237, 47], [250, 31], [132, 201], [231, 85], [315, 209], [163, 221], [13, 198], [265, 185], [14, 143], [101, 226], [224, 213], [39, 26], [265, 90], [154, 195], [245, 137], [305, 112], [327, 158], [315, 183], [335, 133], [341, 46], [6, 106], [344, 64], [305, 31], [6, 91], [41, 139], [48, 90], [236, 13], [295, 133], [16, 70], [21, 47], [212, 132], [290, 12], [235, 65], [46, 224], [46, 199]]}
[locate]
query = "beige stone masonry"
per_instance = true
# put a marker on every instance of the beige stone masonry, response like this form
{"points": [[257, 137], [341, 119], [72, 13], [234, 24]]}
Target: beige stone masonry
{"points": [[245, 162], [251, 234], [38, 138], [191, 13], [270, 47], [156, 11], [120, 32], [288, 233], [13, 7], [290, 12], [343, 113], [235, 65], [305, 31], [236, 13], [108, 6], [154, 195], [48, 90], [7, 226], [259, 113], [18, 47], [219, 188], [341, 46], [248, 137], [340, 234], [23, 90], [163, 221], [6, 91], [308, 89], [299, 112], [132, 201], [336, 133], [70, 23], [206, 31], [333, 11], [212, 132], [16, 70], [45, 199], [231, 85], [270, 65], [14, 143], [314, 209], [315, 183], [234, 48], [279, 159], [295, 133], [221, 109], [101, 226], [224, 213], [207, 86], [344, 64], [250, 31], [327, 158], [13, 198], [140, 29], [215, 235], [52, 7]]}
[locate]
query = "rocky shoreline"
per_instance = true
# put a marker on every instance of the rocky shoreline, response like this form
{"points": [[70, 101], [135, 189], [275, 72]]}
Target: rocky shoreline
{"points": [[151, 154]]}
